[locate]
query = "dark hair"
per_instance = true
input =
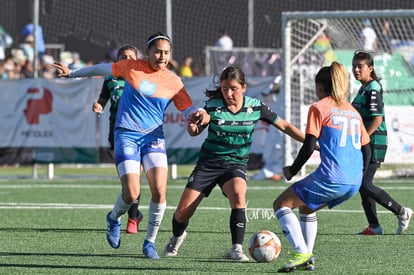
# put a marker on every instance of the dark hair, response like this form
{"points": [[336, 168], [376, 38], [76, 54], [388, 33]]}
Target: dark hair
{"points": [[364, 55], [159, 35], [323, 77], [229, 73], [124, 48]]}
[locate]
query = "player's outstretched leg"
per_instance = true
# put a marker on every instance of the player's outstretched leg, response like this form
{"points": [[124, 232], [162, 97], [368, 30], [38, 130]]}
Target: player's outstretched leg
{"points": [[113, 233], [171, 249]]}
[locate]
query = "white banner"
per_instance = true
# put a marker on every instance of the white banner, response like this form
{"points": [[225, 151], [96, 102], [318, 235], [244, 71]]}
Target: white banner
{"points": [[52, 120], [39, 113], [42, 113], [400, 126]]}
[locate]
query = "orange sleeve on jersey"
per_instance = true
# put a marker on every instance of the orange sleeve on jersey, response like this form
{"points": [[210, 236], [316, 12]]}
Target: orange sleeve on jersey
{"points": [[122, 68], [314, 125], [119, 68], [182, 100]]}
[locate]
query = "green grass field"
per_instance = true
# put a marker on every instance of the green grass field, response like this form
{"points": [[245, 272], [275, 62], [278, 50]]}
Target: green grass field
{"points": [[58, 227]]}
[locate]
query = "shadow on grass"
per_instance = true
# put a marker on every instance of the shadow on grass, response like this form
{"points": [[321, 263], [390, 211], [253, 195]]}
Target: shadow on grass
{"points": [[106, 268], [42, 254], [70, 230], [161, 265]]}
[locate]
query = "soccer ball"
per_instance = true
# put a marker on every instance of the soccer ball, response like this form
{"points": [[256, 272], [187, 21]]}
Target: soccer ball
{"points": [[264, 246]]}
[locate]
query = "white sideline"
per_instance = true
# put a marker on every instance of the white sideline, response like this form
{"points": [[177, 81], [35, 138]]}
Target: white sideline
{"points": [[22, 205]]}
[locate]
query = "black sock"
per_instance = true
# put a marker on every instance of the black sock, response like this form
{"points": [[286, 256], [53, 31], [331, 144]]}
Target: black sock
{"points": [[133, 209], [237, 225], [178, 228]]}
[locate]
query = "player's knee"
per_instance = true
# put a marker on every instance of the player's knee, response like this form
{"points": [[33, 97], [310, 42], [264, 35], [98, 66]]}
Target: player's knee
{"points": [[180, 216], [158, 197]]}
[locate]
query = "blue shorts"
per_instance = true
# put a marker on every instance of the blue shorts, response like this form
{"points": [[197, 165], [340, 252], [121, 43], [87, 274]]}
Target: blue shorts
{"points": [[133, 149], [315, 192]]}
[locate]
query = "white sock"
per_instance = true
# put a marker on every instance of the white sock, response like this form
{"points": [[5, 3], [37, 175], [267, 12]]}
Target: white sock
{"points": [[120, 208], [291, 229], [309, 225], [155, 214]]}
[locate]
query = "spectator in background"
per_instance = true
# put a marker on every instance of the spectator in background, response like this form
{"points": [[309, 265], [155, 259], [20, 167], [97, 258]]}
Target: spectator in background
{"points": [[368, 37], [5, 41], [185, 69], [224, 41], [77, 63], [223, 57], [12, 66], [384, 40], [27, 70], [89, 62], [40, 43], [28, 47]]}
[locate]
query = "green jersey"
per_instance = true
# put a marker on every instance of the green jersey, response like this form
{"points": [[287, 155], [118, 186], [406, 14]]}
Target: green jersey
{"points": [[369, 103], [230, 134], [112, 89]]}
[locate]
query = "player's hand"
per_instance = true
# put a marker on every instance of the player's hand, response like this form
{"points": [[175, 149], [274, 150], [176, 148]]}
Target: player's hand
{"points": [[200, 118], [286, 173], [97, 108], [193, 129], [61, 70], [197, 122]]}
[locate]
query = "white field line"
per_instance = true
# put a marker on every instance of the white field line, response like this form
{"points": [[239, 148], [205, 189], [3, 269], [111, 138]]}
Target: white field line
{"points": [[251, 213], [145, 186], [255, 211]]}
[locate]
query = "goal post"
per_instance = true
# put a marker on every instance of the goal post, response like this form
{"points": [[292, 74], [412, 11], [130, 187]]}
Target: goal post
{"points": [[311, 40]]}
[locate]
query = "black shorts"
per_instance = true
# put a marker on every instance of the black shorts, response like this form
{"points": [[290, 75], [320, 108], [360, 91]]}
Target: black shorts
{"points": [[207, 174]]}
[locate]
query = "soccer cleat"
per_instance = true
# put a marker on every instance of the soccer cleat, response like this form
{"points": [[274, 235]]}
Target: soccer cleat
{"points": [[404, 220], [369, 231], [298, 261], [132, 226], [149, 250], [310, 266], [113, 232], [237, 254], [171, 249]]}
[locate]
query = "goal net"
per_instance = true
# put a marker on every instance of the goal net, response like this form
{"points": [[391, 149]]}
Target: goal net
{"points": [[315, 39]]}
